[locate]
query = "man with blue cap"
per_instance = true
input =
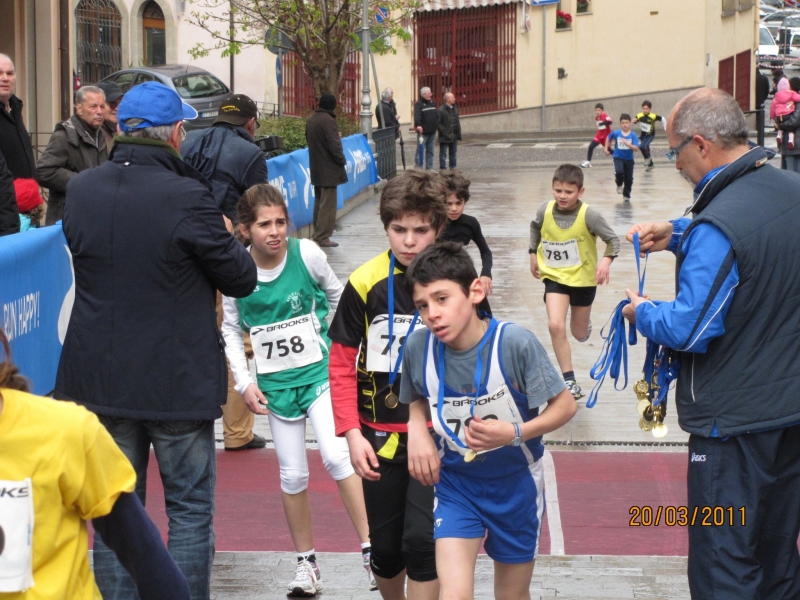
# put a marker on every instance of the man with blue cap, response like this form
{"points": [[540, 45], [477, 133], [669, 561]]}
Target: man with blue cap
{"points": [[142, 351]]}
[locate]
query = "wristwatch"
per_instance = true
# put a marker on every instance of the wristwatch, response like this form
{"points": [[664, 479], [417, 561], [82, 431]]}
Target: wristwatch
{"points": [[517, 441]]}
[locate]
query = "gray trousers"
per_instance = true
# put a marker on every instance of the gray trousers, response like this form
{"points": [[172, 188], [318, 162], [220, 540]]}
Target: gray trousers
{"points": [[324, 212]]}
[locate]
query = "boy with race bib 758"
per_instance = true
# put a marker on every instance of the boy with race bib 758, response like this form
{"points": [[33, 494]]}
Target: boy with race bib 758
{"points": [[563, 251]]}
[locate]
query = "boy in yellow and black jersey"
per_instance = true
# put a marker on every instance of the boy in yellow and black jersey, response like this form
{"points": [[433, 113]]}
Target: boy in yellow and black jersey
{"points": [[368, 334], [563, 250], [647, 125]]}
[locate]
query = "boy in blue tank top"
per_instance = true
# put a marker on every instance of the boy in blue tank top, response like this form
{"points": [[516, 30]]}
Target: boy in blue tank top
{"points": [[482, 384]]}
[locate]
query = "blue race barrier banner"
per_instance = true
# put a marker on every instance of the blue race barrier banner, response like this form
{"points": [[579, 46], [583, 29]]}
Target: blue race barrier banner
{"points": [[290, 173], [36, 296]]}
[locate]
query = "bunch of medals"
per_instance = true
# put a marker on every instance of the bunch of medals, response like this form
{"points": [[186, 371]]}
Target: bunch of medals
{"points": [[660, 370]]}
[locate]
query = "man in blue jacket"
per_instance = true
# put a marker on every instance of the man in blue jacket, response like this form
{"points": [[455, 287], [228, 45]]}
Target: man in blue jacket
{"points": [[736, 329], [149, 248]]}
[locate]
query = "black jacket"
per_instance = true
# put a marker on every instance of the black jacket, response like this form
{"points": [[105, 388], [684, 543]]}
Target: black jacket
{"points": [[15, 142], [228, 157], [732, 385], [449, 125], [425, 116], [149, 249], [9, 215], [325, 154], [389, 110]]}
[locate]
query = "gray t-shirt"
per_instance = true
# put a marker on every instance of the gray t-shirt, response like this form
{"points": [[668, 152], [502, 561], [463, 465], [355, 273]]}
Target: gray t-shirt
{"points": [[527, 367]]}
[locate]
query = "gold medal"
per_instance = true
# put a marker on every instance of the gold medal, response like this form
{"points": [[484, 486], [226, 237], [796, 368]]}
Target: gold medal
{"points": [[660, 430], [470, 455], [645, 425], [641, 406], [640, 388], [391, 400]]}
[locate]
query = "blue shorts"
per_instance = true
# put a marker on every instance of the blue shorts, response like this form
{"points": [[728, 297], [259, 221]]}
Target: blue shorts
{"points": [[510, 509]]}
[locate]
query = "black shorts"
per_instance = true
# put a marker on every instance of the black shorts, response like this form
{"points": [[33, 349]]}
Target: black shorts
{"points": [[578, 296]]}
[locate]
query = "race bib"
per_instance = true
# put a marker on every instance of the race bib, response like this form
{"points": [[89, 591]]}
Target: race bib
{"points": [[645, 127], [286, 345], [601, 125], [382, 352], [558, 255], [16, 535], [456, 415], [621, 145]]}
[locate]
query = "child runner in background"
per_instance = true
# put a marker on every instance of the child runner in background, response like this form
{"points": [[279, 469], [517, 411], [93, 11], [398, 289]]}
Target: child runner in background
{"points": [[285, 316], [625, 142], [482, 383], [782, 107], [647, 125], [369, 332], [563, 251], [603, 122], [463, 228]]}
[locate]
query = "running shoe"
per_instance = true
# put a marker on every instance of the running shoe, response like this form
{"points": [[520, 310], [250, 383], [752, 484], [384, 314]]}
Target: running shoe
{"points": [[649, 165], [574, 389], [626, 199], [586, 164], [588, 333], [619, 189], [306, 580], [373, 585]]}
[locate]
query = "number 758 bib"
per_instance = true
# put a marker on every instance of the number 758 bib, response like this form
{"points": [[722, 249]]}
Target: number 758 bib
{"points": [[285, 345]]}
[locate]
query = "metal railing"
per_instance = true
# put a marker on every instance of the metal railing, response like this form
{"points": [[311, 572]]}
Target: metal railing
{"points": [[385, 152]]}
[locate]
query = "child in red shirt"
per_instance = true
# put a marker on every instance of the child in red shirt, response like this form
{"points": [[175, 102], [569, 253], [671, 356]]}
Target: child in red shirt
{"points": [[603, 129]]}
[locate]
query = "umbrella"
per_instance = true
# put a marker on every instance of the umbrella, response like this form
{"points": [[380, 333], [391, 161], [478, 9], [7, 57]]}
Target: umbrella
{"points": [[420, 151], [403, 151]]}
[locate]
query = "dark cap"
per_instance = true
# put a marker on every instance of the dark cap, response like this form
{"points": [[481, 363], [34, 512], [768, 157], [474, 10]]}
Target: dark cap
{"points": [[237, 109], [327, 101], [111, 90]]}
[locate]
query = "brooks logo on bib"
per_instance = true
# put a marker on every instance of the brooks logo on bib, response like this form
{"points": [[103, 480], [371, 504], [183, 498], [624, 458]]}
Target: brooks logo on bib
{"points": [[382, 352], [16, 535], [285, 345], [558, 255]]}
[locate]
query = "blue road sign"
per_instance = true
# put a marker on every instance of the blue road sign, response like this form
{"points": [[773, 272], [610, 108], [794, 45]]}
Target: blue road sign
{"points": [[382, 14], [543, 2], [279, 70]]}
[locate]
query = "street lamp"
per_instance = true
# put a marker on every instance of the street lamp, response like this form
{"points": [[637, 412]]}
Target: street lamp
{"points": [[366, 114]]}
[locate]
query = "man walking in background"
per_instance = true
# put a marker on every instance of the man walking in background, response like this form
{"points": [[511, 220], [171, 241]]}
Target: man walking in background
{"points": [[327, 162], [77, 144], [449, 127], [425, 124]]}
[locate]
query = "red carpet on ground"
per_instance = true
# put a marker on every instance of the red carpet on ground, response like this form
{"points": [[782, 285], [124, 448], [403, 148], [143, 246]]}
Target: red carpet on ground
{"points": [[596, 491]]}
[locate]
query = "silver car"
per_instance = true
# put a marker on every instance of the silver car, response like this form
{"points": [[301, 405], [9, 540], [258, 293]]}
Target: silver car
{"points": [[197, 87]]}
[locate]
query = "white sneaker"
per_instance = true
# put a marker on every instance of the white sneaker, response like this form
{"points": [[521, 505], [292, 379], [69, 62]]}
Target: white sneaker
{"points": [[588, 333], [373, 585], [619, 189], [586, 164], [306, 580], [574, 389]]}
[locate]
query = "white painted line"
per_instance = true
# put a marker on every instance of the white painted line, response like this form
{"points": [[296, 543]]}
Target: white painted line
{"points": [[551, 146], [586, 145], [553, 510], [499, 146]]}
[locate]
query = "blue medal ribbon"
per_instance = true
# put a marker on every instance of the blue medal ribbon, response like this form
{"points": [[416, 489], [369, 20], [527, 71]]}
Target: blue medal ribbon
{"points": [[478, 381], [614, 354], [390, 302]]}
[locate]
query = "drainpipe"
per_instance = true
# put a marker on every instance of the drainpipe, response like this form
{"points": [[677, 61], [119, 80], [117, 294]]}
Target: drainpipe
{"points": [[64, 62]]}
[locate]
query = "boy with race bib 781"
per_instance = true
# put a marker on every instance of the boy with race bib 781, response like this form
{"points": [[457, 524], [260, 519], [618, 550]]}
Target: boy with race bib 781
{"points": [[563, 251], [482, 383]]}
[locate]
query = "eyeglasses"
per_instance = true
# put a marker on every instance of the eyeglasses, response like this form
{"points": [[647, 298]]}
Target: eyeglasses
{"points": [[182, 132], [672, 155]]}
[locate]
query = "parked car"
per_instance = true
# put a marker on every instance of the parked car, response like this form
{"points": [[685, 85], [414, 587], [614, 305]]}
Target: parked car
{"points": [[196, 87], [767, 54], [773, 21]]}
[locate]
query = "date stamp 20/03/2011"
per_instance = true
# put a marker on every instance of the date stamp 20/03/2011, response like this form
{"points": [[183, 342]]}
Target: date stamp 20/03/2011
{"points": [[684, 516]]}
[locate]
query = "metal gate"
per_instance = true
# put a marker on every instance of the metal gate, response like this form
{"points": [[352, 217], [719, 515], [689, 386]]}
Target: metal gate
{"points": [[385, 152], [98, 27], [471, 52], [298, 90]]}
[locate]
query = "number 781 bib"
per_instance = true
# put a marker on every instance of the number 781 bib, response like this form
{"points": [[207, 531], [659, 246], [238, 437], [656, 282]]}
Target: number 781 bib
{"points": [[558, 255], [285, 345]]}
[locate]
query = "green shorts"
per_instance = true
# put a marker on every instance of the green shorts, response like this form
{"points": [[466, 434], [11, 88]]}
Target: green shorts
{"points": [[293, 403]]}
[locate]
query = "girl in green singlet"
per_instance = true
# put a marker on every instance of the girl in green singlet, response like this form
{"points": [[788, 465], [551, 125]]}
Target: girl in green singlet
{"points": [[288, 376]]}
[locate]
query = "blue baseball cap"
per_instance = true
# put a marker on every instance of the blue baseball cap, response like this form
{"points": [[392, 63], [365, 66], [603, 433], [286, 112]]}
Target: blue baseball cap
{"points": [[155, 104]]}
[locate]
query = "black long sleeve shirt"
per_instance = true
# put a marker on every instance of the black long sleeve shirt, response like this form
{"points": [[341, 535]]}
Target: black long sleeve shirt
{"points": [[464, 230]]}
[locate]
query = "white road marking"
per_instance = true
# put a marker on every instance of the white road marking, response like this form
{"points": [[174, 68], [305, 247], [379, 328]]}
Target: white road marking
{"points": [[553, 510], [499, 146]]}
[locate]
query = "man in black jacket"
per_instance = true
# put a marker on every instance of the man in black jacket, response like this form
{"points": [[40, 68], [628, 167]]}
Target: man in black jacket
{"points": [[15, 142], [733, 330], [425, 123], [9, 215], [226, 155], [327, 162], [142, 350], [449, 127], [388, 111]]}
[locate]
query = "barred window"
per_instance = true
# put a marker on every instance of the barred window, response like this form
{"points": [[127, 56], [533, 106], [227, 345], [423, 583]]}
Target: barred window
{"points": [[98, 27], [298, 89]]}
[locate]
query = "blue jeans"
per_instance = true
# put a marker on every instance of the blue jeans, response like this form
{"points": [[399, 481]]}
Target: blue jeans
{"points": [[450, 148], [187, 462], [644, 145], [427, 147], [790, 163]]}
